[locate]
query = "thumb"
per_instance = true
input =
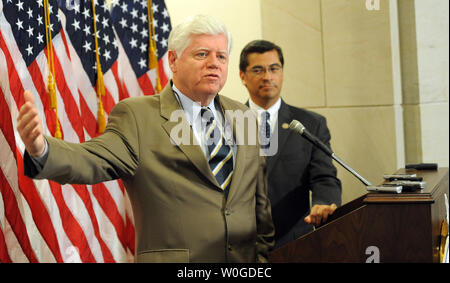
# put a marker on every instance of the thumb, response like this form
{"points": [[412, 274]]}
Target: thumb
{"points": [[308, 219], [29, 97]]}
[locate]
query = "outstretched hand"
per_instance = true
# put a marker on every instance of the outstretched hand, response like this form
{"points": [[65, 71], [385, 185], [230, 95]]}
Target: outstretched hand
{"points": [[29, 126]]}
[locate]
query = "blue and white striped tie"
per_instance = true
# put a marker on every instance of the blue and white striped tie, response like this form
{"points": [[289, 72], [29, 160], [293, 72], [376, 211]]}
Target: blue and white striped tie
{"points": [[264, 131], [220, 154]]}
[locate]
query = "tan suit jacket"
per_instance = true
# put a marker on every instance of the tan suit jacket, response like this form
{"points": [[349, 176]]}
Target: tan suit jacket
{"points": [[180, 211]]}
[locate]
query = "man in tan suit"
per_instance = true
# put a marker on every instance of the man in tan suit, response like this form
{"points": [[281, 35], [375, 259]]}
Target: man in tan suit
{"points": [[203, 199]]}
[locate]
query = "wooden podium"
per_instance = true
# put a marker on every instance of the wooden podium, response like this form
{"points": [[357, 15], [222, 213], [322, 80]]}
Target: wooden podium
{"points": [[379, 227]]}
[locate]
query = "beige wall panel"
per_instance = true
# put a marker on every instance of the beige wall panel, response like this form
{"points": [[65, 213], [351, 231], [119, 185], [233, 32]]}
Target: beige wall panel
{"points": [[243, 20], [365, 138], [295, 26], [413, 134], [408, 51], [435, 133], [432, 23], [357, 53]]}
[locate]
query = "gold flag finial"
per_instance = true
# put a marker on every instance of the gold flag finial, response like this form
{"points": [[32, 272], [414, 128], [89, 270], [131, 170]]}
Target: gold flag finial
{"points": [[101, 121], [152, 50], [51, 85]]}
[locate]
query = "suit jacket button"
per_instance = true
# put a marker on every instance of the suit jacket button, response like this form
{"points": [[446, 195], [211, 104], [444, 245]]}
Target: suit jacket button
{"points": [[230, 248], [227, 212]]}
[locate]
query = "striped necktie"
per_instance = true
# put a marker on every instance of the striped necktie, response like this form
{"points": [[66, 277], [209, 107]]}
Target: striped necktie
{"points": [[264, 130], [220, 157]]}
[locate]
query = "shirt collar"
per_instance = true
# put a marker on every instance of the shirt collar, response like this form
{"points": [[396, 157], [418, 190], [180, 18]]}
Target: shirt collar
{"points": [[273, 110], [191, 108]]}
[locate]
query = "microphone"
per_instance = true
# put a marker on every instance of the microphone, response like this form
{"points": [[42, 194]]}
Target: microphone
{"points": [[298, 127]]}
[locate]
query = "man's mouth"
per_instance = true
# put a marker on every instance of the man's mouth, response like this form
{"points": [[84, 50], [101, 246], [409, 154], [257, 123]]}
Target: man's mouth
{"points": [[212, 76]]}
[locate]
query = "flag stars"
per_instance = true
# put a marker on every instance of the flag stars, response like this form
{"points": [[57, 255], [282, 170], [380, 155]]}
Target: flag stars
{"points": [[144, 33], [87, 46], [105, 22], [30, 13], [134, 13], [19, 24], [107, 55], [155, 8], [40, 38], [123, 22], [76, 8], [165, 13], [76, 24], [105, 7], [106, 39], [143, 47], [164, 43], [19, 5], [142, 63], [86, 13], [29, 50], [143, 18], [165, 27], [133, 43], [134, 27], [39, 19], [124, 7], [30, 31], [87, 30]]}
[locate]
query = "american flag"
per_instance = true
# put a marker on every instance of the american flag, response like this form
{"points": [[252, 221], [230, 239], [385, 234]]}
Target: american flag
{"points": [[131, 21], [40, 220]]}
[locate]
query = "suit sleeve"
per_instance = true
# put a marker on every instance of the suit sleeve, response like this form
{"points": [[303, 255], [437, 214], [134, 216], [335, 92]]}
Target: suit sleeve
{"points": [[110, 156], [325, 186], [265, 227]]}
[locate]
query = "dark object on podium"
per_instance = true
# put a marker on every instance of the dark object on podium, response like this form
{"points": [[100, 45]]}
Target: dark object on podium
{"points": [[379, 227], [422, 166]]}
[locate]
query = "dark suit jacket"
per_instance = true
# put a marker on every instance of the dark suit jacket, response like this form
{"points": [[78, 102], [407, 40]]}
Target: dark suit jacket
{"points": [[180, 211], [296, 169]]}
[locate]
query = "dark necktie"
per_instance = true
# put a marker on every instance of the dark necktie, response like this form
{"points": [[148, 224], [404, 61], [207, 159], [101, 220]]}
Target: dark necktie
{"points": [[264, 130], [220, 157]]}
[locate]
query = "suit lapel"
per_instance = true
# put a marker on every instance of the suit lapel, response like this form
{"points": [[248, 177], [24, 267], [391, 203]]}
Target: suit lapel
{"points": [[194, 153], [284, 116]]}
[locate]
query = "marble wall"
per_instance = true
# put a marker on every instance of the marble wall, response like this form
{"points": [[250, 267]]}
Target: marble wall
{"points": [[425, 64], [351, 59], [379, 76]]}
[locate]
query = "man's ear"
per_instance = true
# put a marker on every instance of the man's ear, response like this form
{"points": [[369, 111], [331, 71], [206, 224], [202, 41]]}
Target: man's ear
{"points": [[242, 75], [172, 56]]}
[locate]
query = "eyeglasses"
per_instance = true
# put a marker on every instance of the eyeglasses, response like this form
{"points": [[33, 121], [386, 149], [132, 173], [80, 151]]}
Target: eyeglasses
{"points": [[259, 70]]}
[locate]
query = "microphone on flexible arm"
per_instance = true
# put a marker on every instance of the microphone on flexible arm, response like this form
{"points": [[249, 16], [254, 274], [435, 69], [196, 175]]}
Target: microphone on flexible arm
{"points": [[297, 127]]}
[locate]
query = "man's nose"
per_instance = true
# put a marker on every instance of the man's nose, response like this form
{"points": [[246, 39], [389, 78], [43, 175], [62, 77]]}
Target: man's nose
{"points": [[267, 75], [213, 61]]}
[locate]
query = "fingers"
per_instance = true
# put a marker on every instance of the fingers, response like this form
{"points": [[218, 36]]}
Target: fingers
{"points": [[319, 214]]}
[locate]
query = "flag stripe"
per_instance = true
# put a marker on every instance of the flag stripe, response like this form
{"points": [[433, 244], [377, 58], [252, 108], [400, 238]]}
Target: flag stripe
{"points": [[85, 197], [146, 85], [40, 214], [44, 221], [110, 208], [4, 256], [6, 125], [71, 226], [12, 214]]}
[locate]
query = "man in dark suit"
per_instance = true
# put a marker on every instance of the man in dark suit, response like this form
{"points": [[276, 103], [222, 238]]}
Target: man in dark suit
{"points": [[294, 166], [194, 199]]}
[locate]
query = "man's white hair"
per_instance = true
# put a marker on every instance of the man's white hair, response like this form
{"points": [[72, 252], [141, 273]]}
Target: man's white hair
{"points": [[180, 36]]}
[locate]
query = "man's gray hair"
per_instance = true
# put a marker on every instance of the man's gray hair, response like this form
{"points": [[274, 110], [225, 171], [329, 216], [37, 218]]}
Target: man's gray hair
{"points": [[180, 36]]}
